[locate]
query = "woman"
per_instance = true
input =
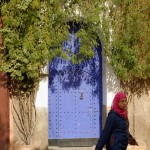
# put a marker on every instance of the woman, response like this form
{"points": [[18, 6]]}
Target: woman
{"points": [[115, 134]]}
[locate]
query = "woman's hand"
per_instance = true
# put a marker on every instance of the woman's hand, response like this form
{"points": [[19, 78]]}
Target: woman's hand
{"points": [[132, 141]]}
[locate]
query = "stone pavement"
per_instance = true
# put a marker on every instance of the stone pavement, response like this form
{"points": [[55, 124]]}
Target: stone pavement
{"points": [[91, 148], [71, 148], [136, 148]]}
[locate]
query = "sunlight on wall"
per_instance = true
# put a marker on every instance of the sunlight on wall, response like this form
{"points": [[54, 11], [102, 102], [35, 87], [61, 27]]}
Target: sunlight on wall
{"points": [[42, 94], [111, 84]]}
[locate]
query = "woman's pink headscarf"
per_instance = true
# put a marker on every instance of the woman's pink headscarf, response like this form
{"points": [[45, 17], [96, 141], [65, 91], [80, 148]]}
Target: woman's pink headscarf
{"points": [[118, 97]]}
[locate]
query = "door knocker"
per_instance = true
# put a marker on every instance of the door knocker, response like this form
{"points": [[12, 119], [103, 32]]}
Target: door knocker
{"points": [[81, 95]]}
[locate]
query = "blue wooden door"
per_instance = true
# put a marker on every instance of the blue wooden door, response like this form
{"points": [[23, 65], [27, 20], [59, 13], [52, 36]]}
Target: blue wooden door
{"points": [[75, 99]]}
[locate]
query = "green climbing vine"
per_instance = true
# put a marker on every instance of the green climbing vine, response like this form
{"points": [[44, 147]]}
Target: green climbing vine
{"points": [[34, 31], [129, 52]]}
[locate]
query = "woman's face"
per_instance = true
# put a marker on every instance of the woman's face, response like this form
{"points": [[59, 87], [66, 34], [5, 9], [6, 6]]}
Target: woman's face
{"points": [[123, 103]]}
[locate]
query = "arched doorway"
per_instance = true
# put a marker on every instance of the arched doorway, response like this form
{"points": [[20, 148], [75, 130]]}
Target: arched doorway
{"points": [[75, 99]]}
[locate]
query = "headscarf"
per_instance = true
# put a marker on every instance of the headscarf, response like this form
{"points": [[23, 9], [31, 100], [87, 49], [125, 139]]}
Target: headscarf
{"points": [[118, 97]]}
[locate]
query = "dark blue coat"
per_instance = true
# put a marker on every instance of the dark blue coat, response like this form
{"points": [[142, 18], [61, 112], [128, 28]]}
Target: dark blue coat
{"points": [[115, 133]]}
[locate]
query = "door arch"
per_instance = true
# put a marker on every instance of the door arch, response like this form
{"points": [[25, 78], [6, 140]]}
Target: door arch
{"points": [[75, 99]]}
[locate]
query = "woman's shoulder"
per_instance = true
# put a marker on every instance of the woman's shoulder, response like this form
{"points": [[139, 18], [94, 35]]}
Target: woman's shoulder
{"points": [[111, 118], [112, 114]]}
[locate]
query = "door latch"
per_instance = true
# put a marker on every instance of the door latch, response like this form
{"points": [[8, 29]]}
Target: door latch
{"points": [[81, 95]]}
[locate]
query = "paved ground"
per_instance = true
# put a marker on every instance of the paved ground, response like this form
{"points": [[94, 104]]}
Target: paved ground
{"points": [[92, 148], [71, 148], [136, 148]]}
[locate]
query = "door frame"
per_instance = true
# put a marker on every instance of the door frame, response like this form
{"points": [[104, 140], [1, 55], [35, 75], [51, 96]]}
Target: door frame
{"points": [[85, 141]]}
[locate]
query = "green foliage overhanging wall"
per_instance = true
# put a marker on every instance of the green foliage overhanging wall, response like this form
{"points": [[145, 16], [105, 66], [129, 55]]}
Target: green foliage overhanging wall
{"points": [[34, 32], [129, 52]]}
